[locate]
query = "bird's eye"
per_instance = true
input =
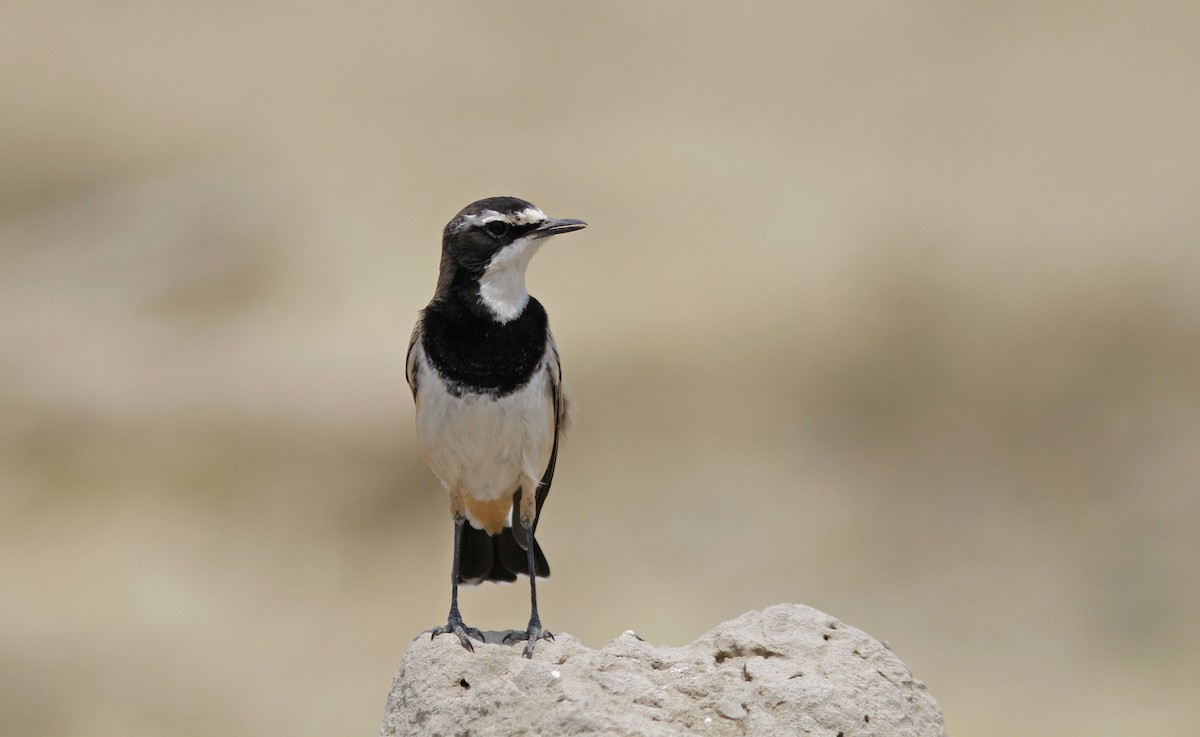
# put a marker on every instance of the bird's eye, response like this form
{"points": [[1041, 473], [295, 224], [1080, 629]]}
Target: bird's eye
{"points": [[497, 228]]}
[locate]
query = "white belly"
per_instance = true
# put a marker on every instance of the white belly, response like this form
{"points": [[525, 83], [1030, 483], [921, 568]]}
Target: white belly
{"points": [[484, 446]]}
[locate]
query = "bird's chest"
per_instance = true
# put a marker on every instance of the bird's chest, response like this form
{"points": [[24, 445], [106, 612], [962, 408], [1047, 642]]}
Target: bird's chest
{"points": [[481, 441], [479, 420], [480, 356]]}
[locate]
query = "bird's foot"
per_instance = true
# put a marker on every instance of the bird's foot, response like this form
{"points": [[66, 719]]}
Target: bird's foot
{"points": [[531, 636], [454, 624]]}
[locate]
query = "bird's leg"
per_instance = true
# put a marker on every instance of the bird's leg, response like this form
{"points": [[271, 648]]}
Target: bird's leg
{"points": [[454, 621], [535, 631]]}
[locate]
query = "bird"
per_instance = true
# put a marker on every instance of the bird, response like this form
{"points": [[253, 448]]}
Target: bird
{"points": [[486, 380]]}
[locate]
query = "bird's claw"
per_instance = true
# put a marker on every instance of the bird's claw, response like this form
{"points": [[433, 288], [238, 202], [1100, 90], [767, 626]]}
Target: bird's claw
{"points": [[455, 625], [530, 636]]}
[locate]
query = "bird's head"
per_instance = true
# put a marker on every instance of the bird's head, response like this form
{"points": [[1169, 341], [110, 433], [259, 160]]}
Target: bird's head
{"points": [[487, 247]]}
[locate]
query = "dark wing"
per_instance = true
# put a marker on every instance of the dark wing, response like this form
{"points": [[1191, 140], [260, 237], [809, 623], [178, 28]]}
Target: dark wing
{"points": [[560, 402], [560, 425]]}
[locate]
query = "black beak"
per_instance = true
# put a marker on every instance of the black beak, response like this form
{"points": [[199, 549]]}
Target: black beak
{"points": [[554, 226]]}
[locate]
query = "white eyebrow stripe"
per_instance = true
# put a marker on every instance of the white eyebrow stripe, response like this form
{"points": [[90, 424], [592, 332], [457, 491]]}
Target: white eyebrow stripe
{"points": [[527, 216]]}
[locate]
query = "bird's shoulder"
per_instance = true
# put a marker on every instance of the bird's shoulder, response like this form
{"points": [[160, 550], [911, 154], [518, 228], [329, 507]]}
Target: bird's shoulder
{"points": [[562, 405], [412, 358]]}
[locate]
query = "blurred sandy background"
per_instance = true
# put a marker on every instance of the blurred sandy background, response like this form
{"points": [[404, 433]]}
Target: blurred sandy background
{"points": [[891, 309]]}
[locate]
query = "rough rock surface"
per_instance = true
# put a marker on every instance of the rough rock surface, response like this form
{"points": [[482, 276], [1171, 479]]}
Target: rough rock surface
{"points": [[787, 670]]}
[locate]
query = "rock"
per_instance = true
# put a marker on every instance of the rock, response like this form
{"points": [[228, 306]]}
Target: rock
{"points": [[787, 670]]}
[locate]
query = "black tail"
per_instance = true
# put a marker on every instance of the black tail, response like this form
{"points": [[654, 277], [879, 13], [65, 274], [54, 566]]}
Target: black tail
{"points": [[487, 558]]}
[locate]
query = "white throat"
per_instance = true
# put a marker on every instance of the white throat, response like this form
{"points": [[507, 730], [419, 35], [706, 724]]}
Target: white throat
{"points": [[502, 287]]}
